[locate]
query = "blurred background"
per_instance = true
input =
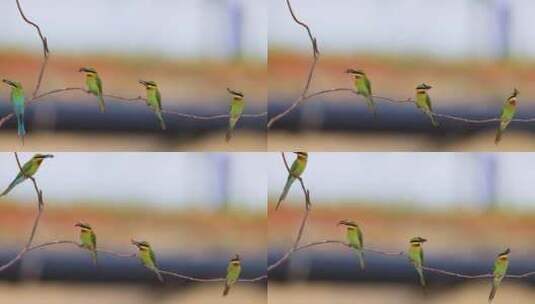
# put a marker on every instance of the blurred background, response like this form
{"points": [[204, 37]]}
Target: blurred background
{"points": [[193, 49], [470, 207], [196, 209], [473, 53]]}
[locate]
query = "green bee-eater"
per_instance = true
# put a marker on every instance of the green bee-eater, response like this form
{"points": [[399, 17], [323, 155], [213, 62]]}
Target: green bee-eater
{"points": [[233, 273], [363, 87], [298, 167], [154, 100], [416, 256], [88, 239], [508, 112], [354, 239], [499, 271], [236, 108], [28, 170], [18, 100], [423, 102], [147, 257], [94, 85]]}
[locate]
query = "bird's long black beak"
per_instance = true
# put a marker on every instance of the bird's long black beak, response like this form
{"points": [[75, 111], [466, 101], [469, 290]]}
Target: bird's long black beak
{"points": [[9, 82], [235, 93], [48, 156], [82, 70], [143, 82], [135, 243], [342, 222]]}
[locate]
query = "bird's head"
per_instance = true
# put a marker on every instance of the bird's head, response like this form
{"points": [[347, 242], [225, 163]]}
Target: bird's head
{"points": [[302, 155], [13, 84], [148, 84], [355, 73], [512, 98], [347, 223], [235, 94], [235, 260], [88, 71], [142, 245], [423, 87], [417, 240], [82, 225], [504, 254], [42, 156]]}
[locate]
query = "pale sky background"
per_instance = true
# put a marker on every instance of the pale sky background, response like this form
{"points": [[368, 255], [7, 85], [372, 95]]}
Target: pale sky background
{"points": [[171, 28], [197, 180], [434, 180], [451, 29], [167, 180]]}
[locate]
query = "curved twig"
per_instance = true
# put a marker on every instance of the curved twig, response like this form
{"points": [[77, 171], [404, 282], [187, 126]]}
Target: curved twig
{"points": [[315, 54], [40, 209], [46, 51]]}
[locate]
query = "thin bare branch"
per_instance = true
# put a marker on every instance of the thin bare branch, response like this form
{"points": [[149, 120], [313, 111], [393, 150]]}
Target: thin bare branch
{"points": [[46, 51], [7, 117], [459, 275], [219, 116], [315, 54], [40, 209]]}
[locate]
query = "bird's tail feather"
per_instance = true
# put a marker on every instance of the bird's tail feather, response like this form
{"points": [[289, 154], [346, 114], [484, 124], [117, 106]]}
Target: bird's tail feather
{"points": [[289, 183], [226, 290], [20, 125], [160, 119], [159, 275], [228, 135], [94, 257], [433, 119], [421, 275], [15, 182], [493, 291], [498, 136], [101, 104], [232, 124], [371, 106], [360, 254]]}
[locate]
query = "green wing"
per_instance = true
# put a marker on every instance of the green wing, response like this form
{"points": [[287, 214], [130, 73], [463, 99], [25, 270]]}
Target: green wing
{"points": [[428, 102], [421, 256], [93, 240], [99, 85], [368, 85], [158, 99], [153, 258]]}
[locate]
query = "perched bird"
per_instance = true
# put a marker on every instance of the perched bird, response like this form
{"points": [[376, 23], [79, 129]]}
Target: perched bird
{"points": [[233, 273], [508, 112], [423, 102], [154, 100], [28, 170], [236, 108], [363, 87], [88, 239], [298, 167], [94, 85], [416, 256], [499, 271], [18, 100], [354, 239], [147, 257]]}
